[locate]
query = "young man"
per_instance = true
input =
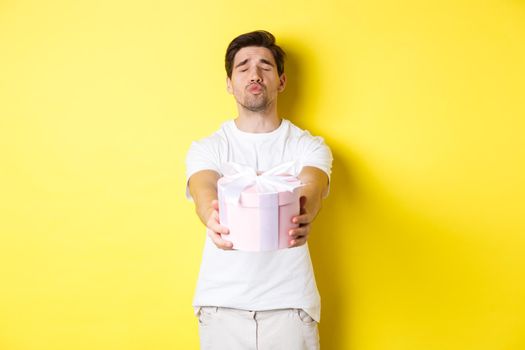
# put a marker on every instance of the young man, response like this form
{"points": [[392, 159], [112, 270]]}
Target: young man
{"points": [[257, 300]]}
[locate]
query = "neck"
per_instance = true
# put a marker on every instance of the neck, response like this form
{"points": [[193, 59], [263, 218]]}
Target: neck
{"points": [[257, 122]]}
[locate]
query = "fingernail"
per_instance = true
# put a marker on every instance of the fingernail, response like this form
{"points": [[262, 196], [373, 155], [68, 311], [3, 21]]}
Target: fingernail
{"points": [[290, 232]]}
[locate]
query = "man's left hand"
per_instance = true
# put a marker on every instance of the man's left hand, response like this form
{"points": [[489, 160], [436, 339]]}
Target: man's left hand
{"points": [[299, 234]]}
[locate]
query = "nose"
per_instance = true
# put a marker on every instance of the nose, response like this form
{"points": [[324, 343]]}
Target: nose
{"points": [[255, 75]]}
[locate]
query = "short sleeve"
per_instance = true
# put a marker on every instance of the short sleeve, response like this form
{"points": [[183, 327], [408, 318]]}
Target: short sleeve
{"points": [[202, 155], [317, 154]]}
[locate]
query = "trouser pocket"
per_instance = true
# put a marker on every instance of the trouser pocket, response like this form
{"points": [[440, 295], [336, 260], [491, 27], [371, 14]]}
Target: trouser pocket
{"points": [[206, 314]]}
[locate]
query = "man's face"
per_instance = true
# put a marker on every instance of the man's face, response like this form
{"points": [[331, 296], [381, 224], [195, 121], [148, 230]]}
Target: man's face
{"points": [[255, 82]]}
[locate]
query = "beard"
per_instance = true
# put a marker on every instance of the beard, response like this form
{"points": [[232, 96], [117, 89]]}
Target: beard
{"points": [[255, 103]]}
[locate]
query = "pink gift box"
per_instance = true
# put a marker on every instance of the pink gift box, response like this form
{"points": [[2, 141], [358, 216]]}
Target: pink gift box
{"points": [[260, 218]]}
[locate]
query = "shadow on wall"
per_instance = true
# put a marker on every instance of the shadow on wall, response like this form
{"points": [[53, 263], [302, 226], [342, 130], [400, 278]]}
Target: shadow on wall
{"points": [[329, 245], [291, 99], [331, 230]]}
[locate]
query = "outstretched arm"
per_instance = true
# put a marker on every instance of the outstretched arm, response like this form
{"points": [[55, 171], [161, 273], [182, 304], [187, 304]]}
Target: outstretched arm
{"points": [[203, 189], [312, 194]]}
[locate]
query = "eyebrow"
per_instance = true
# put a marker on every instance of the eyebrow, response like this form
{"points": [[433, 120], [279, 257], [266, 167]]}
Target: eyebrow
{"points": [[263, 60]]}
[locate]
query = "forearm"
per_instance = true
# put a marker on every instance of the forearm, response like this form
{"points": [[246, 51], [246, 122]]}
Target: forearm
{"points": [[315, 186], [203, 189], [203, 205]]}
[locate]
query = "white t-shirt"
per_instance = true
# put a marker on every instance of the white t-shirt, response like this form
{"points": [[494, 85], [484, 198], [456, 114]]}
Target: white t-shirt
{"points": [[258, 280]]}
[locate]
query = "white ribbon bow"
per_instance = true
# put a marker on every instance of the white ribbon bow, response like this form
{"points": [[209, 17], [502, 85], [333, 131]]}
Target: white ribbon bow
{"points": [[242, 177]]}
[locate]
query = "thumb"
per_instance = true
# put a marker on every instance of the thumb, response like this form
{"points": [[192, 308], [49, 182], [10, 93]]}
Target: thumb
{"points": [[215, 204], [302, 201]]}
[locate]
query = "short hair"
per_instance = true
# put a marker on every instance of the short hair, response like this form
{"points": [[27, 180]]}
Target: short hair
{"points": [[260, 38]]}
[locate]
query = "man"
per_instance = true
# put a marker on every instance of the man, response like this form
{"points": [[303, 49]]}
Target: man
{"points": [[257, 300]]}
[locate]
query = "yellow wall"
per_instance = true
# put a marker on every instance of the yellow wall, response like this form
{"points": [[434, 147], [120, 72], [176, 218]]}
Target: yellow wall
{"points": [[420, 245]]}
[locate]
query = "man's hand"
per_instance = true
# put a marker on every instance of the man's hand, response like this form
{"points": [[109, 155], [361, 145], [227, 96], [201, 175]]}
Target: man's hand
{"points": [[315, 186], [203, 189], [300, 234], [215, 229]]}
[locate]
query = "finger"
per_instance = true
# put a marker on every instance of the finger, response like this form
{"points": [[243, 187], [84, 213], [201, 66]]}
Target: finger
{"points": [[214, 224], [219, 242], [297, 242], [301, 219], [299, 231], [215, 204], [220, 229]]}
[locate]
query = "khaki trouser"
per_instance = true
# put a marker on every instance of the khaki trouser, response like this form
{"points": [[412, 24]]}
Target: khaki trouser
{"points": [[234, 329]]}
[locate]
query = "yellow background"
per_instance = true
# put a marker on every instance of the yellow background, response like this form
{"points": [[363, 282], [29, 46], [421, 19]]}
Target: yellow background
{"points": [[420, 245]]}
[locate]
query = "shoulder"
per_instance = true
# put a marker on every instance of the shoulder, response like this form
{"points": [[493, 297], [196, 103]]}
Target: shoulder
{"points": [[311, 150], [304, 137], [207, 152]]}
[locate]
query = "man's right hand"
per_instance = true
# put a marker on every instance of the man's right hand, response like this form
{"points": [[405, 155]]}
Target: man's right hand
{"points": [[215, 229], [203, 189]]}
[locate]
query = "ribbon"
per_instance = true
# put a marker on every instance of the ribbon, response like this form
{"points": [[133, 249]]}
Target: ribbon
{"points": [[242, 177]]}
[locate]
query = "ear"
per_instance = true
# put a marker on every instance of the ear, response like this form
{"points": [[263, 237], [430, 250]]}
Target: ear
{"points": [[229, 85], [282, 82]]}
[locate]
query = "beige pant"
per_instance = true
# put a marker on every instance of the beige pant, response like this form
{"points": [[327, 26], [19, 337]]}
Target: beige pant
{"points": [[234, 329]]}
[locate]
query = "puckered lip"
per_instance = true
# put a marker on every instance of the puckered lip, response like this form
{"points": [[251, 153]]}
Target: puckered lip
{"points": [[255, 87]]}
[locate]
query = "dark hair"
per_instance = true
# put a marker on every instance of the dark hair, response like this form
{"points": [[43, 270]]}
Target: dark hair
{"points": [[260, 38]]}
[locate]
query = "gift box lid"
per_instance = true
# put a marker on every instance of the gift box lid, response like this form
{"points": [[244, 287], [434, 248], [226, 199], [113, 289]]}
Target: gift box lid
{"points": [[252, 197]]}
